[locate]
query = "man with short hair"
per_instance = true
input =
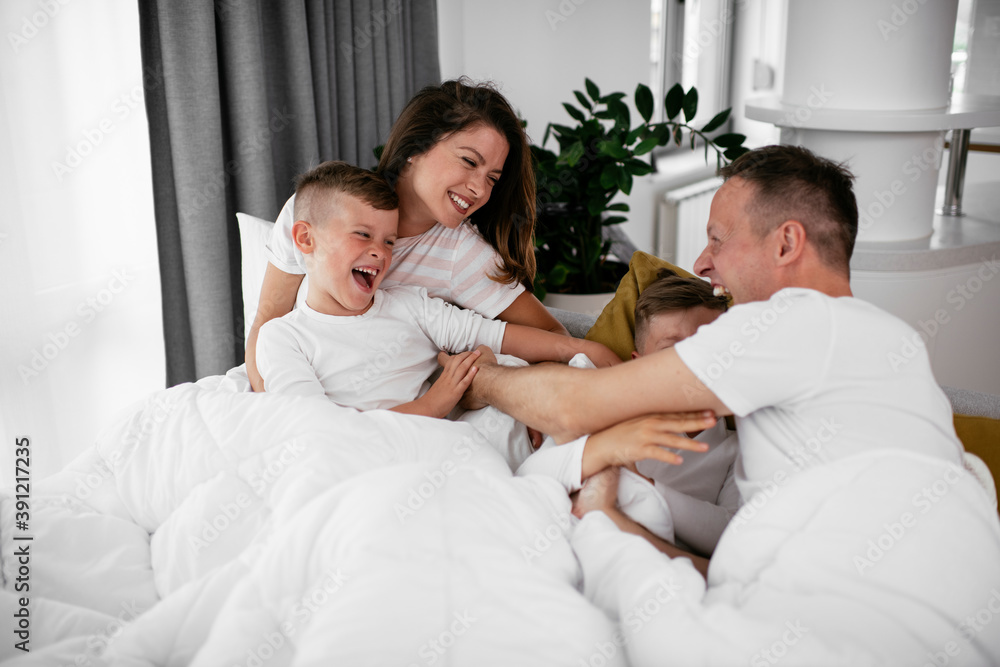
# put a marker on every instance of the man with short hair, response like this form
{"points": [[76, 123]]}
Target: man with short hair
{"points": [[861, 539]]}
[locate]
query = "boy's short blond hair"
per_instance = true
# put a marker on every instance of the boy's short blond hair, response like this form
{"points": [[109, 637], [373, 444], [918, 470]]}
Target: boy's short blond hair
{"points": [[669, 293], [337, 177]]}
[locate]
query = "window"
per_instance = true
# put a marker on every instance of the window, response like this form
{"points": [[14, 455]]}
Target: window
{"points": [[691, 44]]}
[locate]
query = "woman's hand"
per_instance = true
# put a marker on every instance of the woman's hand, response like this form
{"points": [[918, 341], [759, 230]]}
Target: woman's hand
{"points": [[599, 493], [647, 437]]}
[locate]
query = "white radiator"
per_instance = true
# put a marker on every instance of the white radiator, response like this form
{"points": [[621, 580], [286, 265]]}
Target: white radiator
{"points": [[682, 218]]}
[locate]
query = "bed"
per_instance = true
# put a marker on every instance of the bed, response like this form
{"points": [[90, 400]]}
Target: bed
{"points": [[214, 526]]}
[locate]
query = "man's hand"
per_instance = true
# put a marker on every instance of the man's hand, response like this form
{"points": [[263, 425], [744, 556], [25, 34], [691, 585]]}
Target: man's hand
{"points": [[599, 493], [646, 437]]}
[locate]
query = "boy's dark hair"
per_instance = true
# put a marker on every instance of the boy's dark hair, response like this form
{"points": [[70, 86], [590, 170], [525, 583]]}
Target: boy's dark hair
{"points": [[342, 178], [671, 292], [792, 183]]}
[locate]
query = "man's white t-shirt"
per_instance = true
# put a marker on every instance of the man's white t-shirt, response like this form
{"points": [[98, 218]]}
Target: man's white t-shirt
{"points": [[453, 264], [814, 379], [379, 359]]}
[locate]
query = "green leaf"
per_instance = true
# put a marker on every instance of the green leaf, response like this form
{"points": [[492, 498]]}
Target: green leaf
{"points": [[538, 289], [635, 134], [735, 151], [620, 206], [574, 112], [717, 121], [573, 154], [612, 97], [558, 275], [644, 101], [606, 114], [690, 104], [627, 188], [613, 149], [623, 118], [729, 140], [582, 99], [378, 151], [609, 175], [564, 130], [678, 135], [646, 145], [614, 219], [674, 100], [638, 168], [592, 90]]}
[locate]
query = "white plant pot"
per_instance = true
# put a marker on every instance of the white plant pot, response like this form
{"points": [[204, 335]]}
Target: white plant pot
{"points": [[588, 304]]}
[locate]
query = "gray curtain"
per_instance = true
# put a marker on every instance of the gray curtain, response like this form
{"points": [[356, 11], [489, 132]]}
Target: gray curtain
{"points": [[242, 95]]}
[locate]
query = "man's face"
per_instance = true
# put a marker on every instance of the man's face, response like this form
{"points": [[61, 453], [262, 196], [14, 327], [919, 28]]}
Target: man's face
{"points": [[667, 329], [736, 260]]}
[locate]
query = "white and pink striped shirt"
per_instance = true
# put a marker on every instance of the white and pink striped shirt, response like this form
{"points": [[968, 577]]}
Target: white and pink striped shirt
{"points": [[453, 264]]}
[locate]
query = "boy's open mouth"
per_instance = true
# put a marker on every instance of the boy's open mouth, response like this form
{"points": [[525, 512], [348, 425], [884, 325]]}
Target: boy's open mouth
{"points": [[365, 276]]}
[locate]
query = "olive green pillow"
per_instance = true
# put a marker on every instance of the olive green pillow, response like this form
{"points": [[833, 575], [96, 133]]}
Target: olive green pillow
{"points": [[615, 327], [981, 436]]}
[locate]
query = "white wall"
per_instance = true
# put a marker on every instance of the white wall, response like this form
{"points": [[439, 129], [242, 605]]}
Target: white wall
{"points": [[80, 334], [539, 52]]}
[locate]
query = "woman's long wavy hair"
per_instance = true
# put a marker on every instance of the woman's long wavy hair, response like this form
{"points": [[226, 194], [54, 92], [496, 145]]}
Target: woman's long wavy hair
{"points": [[507, 220]]}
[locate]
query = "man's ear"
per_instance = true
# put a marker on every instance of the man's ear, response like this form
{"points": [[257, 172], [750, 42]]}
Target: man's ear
{"points": [[635, 355], [791, 242], [303, 236]]}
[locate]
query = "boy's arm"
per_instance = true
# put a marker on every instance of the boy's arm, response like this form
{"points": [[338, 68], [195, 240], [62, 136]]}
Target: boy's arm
{"points": [[600, 494], [282, 363], [534, 345], [621, 445]]}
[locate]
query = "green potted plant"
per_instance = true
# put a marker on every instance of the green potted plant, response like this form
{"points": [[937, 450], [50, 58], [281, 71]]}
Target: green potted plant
{"points": [[599, 156]]}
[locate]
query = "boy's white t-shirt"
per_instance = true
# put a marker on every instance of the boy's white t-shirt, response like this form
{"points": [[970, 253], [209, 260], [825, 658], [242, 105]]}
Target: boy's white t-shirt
{"points": [[379, 359], [814, 379], [453, 264]]}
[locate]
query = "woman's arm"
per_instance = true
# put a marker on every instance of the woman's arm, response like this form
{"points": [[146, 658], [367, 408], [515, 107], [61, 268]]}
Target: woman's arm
{"points": [[535, 345], [277, 296], [527, 310]]}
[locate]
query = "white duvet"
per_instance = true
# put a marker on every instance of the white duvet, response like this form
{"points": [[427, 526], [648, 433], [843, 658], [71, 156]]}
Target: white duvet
{"points": [[222, 528], [215, 527]]}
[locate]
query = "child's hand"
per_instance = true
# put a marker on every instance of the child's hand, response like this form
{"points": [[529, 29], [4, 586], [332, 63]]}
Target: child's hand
{"points": [[599, 493], [643, 438], [459, 369], [600, 354]]}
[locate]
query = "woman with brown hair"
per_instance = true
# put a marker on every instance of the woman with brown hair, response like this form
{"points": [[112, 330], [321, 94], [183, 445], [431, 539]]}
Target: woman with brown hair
{"points": [[460, 162]]}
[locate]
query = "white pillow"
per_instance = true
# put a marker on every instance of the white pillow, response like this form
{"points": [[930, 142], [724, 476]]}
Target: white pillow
{"points": [[254, 235]]}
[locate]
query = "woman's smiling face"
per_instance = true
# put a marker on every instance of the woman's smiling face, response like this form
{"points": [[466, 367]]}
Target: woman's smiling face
{"points": [[452, 180]]}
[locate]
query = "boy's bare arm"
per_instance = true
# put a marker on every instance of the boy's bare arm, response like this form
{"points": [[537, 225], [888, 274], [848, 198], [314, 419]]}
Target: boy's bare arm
{"points": [[600, 493], [570, 402]]}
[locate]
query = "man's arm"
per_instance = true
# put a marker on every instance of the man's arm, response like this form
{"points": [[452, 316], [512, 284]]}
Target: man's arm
{"points": [[570, 402]]}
